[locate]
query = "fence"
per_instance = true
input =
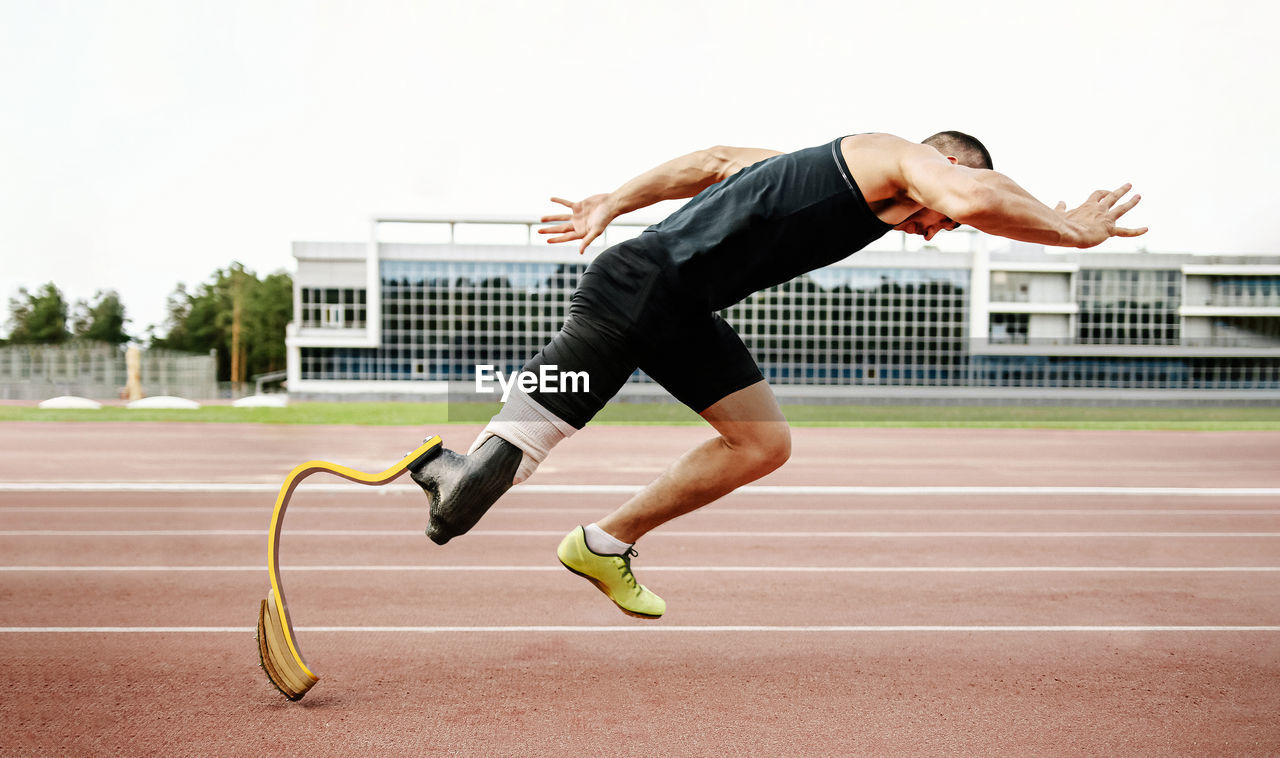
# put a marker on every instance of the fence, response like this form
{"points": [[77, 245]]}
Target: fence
{"points": [[97, 370]]}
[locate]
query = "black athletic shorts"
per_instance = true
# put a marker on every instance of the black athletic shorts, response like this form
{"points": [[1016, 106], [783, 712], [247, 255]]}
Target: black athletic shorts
{"points": [[627, 313]]}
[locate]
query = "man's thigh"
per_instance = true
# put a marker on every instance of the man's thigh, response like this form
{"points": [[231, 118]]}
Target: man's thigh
{"points": [[700, 360], [592, 359]]}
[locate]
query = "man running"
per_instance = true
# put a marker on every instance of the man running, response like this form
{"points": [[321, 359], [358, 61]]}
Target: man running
{"points": [[757, 218]]}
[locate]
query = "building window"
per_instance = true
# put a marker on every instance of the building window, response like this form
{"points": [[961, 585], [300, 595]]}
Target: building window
{"points": [[1246, 331], [1129, 307], [333, 307], [1009, 328], [1252, 291], [1010, 287]]}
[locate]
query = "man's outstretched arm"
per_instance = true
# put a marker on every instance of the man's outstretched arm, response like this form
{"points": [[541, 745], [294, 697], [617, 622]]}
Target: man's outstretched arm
{"points": [[682, 177], [994, 203]]}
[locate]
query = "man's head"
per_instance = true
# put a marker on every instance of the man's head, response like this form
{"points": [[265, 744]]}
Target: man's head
{"points": [[967, 150], [959, 148]]}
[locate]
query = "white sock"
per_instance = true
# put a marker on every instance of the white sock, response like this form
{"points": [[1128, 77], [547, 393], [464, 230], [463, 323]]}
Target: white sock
{"points": [[601, 542], [527, 425]]}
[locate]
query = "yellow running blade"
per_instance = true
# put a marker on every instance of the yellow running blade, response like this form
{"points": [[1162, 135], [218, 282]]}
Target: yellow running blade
{"points": [[277, 644], [284, 670]]}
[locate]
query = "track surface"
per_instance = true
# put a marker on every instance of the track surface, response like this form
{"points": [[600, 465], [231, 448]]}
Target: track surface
{"points": [[815, 623]]}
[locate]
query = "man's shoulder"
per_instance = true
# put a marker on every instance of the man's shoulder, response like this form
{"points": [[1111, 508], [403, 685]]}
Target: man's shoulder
{"points": [[881, 153], [878, 141], [875, 160]]}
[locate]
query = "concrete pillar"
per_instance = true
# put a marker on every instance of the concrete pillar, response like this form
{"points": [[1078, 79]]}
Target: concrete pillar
{"points": [[979, 291], [133, 366]]}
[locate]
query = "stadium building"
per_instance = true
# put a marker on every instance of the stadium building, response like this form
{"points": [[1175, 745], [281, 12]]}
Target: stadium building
{"points": [[968, 319]]}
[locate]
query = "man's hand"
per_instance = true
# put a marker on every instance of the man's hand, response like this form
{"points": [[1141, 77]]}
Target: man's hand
{"points": [[1094, 222], [586, 221]]}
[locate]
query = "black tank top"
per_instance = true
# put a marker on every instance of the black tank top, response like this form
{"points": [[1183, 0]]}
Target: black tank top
{"points": [[766, 224]]}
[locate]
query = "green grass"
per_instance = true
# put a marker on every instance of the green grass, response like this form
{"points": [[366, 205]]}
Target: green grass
{"points": [[419, 414]]}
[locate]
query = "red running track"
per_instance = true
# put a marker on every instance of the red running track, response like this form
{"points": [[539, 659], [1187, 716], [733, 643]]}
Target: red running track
{"points": [[827, 623]]}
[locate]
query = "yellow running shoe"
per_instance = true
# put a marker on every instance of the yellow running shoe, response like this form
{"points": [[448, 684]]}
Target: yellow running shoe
{"points": [[612, 574]]}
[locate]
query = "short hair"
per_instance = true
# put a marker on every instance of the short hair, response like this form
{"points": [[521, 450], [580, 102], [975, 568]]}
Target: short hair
{"points": [[966, 149]]}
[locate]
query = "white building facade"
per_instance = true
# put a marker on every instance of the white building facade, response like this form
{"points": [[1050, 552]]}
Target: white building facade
{"points": [[975, 320]]}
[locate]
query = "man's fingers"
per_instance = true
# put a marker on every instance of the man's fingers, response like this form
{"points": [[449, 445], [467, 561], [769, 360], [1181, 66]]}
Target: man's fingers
{"points": [[1125, 207], [587, 239], [562, 201], [1061, 206], [557, 217], [1111, 197], [558, 229], [1097, 196], [1120, 231], [565, 238]]}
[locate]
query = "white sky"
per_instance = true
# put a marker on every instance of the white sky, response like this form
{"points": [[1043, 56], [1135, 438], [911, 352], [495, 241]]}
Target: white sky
{"points": [[147, 143]]}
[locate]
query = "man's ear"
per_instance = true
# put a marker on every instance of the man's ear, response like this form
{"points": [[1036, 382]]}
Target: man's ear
{"points": [[954, 160]]}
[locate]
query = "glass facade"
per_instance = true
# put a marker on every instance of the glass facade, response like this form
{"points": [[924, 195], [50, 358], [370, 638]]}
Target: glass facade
{"points": [[1124, 373], [442, 318], [1253, 291], [840, 325], [1129, 307]]}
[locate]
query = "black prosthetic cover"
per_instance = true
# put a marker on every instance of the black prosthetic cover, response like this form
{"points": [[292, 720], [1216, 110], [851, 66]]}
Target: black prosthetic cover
{"points": [[462, 487]]}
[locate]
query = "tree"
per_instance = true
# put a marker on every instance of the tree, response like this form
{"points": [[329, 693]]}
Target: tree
{"points": [[103, 320], [39, 318], [206, 319], [268, 309]]}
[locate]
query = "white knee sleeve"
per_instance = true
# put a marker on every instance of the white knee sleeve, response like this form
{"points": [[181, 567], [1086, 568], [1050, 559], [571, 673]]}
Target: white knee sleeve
{"points": [[530, 427]]}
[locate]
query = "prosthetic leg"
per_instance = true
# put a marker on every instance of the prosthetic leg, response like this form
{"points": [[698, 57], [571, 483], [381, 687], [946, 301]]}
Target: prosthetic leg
{"points": [[277, 648], [463, 487]]}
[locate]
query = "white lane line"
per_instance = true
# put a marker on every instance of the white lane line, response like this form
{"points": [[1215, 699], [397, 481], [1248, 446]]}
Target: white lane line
{"points": [[690, 569], [314, 509], [630, 489], [639, 627], [560, 533]]}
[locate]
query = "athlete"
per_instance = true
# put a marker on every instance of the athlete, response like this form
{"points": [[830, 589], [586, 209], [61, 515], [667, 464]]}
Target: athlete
{"points": [[757, 218]]}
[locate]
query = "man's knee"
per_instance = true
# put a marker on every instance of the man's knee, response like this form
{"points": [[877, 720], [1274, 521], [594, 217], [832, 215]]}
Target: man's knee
{"points": [[768, 447], [777, 447]]}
